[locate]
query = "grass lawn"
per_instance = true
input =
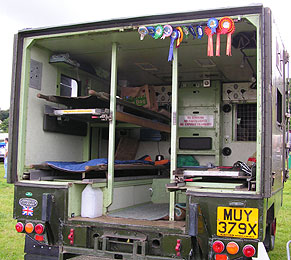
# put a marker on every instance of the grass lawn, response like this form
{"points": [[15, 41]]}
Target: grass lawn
{"points": [[283, 234], [12, 243]]}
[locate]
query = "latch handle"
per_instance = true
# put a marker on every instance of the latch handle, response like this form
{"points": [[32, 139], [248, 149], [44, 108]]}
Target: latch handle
{"points": [[71, 236]]}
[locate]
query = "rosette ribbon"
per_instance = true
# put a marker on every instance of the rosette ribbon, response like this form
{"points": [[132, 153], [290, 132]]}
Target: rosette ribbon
{"points": [[212, 24], [192, 31], [208, 32], [185, 31], [180, 36], [143, 31], [174, 36], [226, 26], [159, 30], [151, 31], [199, 31], [167, 31]]}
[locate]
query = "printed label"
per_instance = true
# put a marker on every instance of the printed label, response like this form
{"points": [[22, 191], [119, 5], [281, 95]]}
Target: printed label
{"points": [[27, 202], [196, 121]]}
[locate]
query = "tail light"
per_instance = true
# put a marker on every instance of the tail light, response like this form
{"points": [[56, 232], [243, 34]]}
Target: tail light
{"points": [[249, 251], [218, 247], [39, 229], [19, 227], [232, 248], [39, 238], [221, 257], [29, 227]]}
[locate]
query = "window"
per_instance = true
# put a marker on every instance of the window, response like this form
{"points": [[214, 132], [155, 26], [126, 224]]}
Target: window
{"points": [[246, 122], [279, 106], [69, 87]]}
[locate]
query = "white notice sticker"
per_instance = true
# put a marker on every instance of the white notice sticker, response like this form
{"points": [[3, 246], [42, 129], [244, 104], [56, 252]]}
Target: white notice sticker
{"points": [[196, 121]]}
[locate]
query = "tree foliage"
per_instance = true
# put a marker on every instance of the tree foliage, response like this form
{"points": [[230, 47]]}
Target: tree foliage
{"points": [[4, 117], [4, 125], [4, 114]]}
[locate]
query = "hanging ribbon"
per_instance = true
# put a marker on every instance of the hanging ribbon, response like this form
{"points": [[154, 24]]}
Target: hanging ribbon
{"points": [[180, 38], [210, 41], [174, 36], [218, 33], [158, 31], [151, 31], [167, 31], [143, 31], [192, 31], [226, 25], [228, 45], [199, 31], [185, 32]]}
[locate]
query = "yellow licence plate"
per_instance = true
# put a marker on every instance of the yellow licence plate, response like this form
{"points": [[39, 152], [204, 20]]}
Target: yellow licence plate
{"points": [[237, 222]]}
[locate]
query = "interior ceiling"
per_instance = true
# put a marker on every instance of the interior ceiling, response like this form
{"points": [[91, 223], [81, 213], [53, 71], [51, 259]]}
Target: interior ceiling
{"points": [[146, 61]]}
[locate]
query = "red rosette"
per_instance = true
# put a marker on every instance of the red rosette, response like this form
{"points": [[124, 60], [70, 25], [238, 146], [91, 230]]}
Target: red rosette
{"points": [[210, 41], [226, 25]]}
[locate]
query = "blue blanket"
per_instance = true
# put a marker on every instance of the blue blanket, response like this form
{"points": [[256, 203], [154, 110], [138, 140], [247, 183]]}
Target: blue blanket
{"points": [[81, 166]]}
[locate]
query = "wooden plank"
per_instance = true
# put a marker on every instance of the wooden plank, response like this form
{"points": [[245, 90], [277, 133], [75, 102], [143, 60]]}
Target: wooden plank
{"points": [[42, 166], [133, 223], [126, 149], [120, 167], [128, 118], [130, 107]]}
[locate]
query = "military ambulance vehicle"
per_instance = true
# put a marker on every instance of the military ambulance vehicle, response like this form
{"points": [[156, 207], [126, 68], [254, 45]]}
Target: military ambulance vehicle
{"points": [[157, 137]]}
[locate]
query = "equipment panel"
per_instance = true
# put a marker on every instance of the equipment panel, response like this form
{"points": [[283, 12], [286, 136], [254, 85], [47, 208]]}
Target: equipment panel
{"points": [[239, 92]]}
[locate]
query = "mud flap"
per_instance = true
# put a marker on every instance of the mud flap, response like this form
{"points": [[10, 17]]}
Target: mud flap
{"points": [[195, 221], [35, 250]]}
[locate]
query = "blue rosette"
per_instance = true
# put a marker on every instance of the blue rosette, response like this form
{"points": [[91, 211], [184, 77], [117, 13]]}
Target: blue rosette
{"points": [[174, 36], [199, 31], [192, 31], [151, 30], [212, 24]]}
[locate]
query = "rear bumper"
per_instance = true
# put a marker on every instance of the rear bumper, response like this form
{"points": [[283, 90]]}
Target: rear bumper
{"points": [[93, 254]]}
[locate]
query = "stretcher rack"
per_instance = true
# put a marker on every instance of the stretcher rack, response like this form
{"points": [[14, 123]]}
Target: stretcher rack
{"points": [[44, 171], [96, 107], [204, 177], [104, 167]]}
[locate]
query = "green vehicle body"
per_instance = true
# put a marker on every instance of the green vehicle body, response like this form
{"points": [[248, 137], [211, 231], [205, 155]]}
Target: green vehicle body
{"points": [[56, 201]]}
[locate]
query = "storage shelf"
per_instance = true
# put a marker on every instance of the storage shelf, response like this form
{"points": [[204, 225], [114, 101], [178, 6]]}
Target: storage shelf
{"points": [[94, 108]]}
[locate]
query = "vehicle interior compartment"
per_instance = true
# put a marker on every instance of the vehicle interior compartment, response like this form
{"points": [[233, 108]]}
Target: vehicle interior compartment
{"points": [[100, 105]]}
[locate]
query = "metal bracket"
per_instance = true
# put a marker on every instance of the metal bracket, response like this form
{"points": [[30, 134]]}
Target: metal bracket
{"points": [[47, 201]]}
